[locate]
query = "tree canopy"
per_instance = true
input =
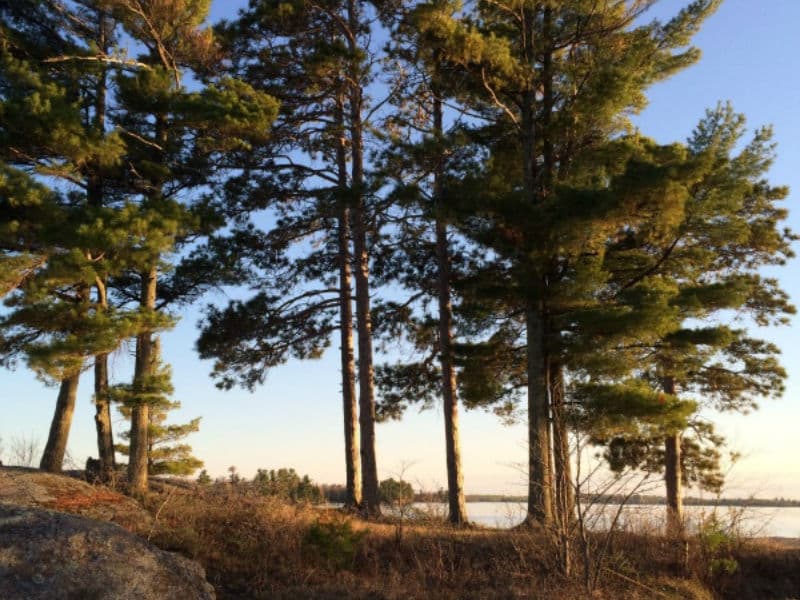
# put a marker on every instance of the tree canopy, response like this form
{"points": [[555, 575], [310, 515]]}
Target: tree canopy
{"points": [[461, 182]]}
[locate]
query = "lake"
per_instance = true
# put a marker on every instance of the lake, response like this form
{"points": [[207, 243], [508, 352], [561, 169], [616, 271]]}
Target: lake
{"points": [[755, 521]]}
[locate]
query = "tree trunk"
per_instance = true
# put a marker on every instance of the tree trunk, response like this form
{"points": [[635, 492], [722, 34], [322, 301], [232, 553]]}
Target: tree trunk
{"points": [[102, 418], [540, 477], [548, 102], [562, 469], [366, 374], [56, 447], [95, 196], [672, 474], [672, 477], [349, 400], [562, 466], [140, 412], [455, 476]]}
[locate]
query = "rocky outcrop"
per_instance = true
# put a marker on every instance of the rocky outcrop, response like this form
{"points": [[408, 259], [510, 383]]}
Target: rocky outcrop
{"points": [[48, 555], [91, 554], [34, 488]]}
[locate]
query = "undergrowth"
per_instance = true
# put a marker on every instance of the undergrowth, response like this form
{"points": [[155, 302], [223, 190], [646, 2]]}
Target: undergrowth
{"points": [[257, 547]]}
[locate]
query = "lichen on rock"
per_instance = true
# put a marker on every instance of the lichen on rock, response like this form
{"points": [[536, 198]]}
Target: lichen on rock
{"points": [[48, 555]]}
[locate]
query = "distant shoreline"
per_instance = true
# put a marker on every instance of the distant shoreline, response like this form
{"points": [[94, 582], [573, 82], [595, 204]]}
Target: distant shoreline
{"points": [[648, 501]]}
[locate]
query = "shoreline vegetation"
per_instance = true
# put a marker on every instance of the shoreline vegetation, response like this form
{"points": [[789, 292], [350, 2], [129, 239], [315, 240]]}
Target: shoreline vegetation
{"points": [[256, 546], [642, 500], [335, 493], [255, 542]]}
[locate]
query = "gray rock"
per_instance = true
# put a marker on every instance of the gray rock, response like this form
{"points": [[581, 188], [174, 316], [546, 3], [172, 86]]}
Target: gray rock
{"points": [[34, 488], [46, 555]]}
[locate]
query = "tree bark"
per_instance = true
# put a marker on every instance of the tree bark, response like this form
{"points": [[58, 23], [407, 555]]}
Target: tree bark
{"points": [[673, 477], [53, 456], [366, 374], [140, 412], [102, 418], [562, 469], [560, 441], [548, 102], [95, 196], [348, 361], [457, 507], [562, 465], [540, 478], [455, 476]]}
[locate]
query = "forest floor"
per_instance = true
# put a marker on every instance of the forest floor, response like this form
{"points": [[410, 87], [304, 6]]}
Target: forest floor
{"points": [[253, 546]]}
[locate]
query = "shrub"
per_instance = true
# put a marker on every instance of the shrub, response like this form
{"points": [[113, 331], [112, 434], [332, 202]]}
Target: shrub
{"points": [[396, 493], [336, 542], [716, 545]]}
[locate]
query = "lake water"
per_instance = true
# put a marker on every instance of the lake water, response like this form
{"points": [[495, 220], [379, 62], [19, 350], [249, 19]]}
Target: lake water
{"points": [[755, 521]]}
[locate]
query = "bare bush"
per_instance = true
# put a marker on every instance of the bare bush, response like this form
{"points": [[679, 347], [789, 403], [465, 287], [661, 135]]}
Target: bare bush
{"points": [[24, 451]]}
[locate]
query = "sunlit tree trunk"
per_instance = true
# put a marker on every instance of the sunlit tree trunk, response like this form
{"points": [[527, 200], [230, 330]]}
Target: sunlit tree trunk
{"points": [[540, 476], [673, 478], [457, 508], [366, 372], [349, 400], [455, 476], [56, 447], [95, 197], [102, 417], [562, 468], [540, 479], [142, 380]]}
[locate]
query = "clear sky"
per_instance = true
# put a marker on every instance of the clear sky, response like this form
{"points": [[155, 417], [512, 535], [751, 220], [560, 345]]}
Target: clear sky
{"points": [[750, 53]]}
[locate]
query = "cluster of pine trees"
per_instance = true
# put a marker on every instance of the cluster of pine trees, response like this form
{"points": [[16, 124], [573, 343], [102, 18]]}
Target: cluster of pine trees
{"points": [[108, 162], [464, 180]]}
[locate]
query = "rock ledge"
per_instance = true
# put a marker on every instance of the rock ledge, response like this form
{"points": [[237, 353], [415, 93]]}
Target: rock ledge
{"points": [[47, 555]]}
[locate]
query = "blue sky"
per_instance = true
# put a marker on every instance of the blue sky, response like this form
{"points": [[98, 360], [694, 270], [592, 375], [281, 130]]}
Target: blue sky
{"points": [[750, 50]]}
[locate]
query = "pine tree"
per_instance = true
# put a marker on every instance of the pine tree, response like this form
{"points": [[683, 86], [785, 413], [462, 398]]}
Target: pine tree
{"points": [[287, 485], [64, 139], [164, 455], [358, 78], [178, 140], [319, 79], [422, 166], [292, 312], [703, 260], [554, 83]]}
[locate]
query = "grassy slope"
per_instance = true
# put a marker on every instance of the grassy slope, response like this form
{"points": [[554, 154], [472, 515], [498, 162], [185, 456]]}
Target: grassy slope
{"points": [[254, 547]]}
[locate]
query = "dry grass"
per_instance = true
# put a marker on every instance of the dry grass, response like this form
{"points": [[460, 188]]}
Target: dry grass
{"points": [[70, 502], [765, 569], [254, 547]]}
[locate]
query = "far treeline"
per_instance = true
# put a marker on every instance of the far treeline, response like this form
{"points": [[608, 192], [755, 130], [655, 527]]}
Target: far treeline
{"points": [[462, 179], [639, 500]]}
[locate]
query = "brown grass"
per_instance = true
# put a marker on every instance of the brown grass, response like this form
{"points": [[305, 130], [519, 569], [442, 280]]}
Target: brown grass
{"points": [[70, 502], [254, 547], [766, 569]]}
